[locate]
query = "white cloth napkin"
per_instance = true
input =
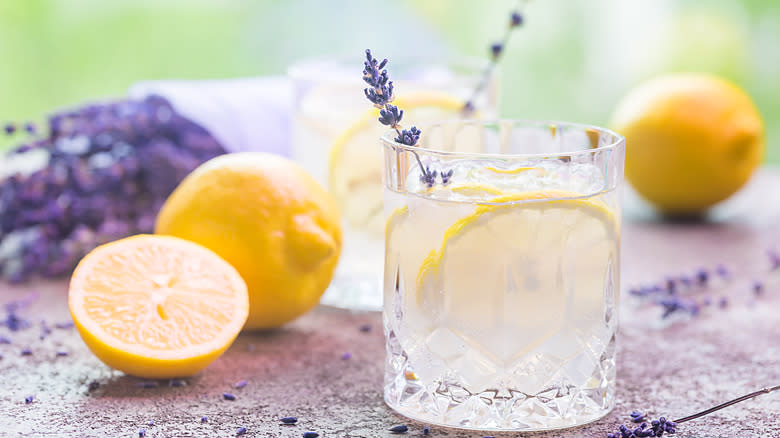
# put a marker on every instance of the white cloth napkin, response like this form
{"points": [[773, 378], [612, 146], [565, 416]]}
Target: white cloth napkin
{"points": [[244, 114]]}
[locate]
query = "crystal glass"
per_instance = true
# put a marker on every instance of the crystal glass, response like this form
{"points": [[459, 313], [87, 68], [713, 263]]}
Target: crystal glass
{"points": [[501, 286], [334, 137]]}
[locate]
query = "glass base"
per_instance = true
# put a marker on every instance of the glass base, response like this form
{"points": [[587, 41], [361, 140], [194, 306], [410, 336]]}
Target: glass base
{"points": [[561, 400], [363, 293]]}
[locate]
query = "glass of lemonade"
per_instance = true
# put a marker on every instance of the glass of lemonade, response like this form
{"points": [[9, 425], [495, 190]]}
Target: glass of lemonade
{"points": [[500, 287], [334, 138]]}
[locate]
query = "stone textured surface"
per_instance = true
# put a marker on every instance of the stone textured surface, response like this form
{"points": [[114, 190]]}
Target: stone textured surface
{"points": [[666, 368]]}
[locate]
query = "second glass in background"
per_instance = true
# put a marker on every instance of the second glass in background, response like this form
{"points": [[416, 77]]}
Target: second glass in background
{"points": [[334, 137]]}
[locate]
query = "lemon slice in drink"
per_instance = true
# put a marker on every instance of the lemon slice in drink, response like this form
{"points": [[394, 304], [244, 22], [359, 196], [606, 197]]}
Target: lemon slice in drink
{"points": [[355, 162], [530, 263]]}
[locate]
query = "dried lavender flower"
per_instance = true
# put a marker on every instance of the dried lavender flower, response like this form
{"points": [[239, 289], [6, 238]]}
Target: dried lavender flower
{"points": [[346, 355], [758, 288], [365, 328], [661, 426], [400, 428], [241, 431], [228, 396], [204, 419], [142, 432], [426, 430], [62, 353], [29, 399], [310, 434], [93, 385], [9, 128], [26, 352], [289, 420], [240, 384]]}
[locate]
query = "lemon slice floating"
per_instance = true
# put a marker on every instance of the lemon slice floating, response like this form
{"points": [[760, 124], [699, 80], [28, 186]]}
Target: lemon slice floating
{"points": [[528, 263], [355, 162]]}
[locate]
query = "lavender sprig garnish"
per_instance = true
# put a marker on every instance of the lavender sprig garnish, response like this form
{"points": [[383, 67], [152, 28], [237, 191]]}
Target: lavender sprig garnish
{"points": [[380, 93], [661, 426], [497, 50]]}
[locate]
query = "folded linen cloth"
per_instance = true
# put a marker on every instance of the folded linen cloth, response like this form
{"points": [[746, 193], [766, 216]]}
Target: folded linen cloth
{"points": [[243, 114]]}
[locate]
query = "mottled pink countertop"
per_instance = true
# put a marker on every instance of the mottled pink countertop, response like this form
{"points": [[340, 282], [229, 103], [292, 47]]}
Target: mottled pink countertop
{"points": [[674, 369]]}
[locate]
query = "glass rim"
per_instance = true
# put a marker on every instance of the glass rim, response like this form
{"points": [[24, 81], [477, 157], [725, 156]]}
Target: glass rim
{"points": [[302, 68], [388, 139]]}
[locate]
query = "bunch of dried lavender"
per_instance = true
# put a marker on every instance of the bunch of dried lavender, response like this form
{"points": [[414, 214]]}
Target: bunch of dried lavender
{"points": [[100, 172]]}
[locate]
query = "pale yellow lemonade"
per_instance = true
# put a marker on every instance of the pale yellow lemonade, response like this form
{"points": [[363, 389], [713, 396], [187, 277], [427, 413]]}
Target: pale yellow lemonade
{"points": [[500, 291]]}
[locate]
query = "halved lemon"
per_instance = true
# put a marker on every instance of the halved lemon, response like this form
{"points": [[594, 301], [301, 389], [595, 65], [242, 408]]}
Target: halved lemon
{"points": [[157, 306], [355, 162]]}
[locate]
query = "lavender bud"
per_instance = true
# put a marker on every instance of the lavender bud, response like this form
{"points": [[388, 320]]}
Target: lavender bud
{"points": [[289, 420], [310, 435], [241, 431], [228, 396], [401, 428], [515, 20], [496, 49]]}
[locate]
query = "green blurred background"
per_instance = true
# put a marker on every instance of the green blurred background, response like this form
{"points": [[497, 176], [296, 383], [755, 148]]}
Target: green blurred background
{"points": [[572, 60]]}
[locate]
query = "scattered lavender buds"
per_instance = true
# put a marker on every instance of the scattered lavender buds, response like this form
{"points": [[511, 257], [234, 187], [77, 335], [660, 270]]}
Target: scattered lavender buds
{"points": [[365, 328], [4, 340], [310, 435], [142, 432], [62, 353], [240, 384], [426, 430], [26, 352], [9, 128], [204, 419], [346, 355], [656, 428], [29, 399], [289, 420], [401, 428], [241, 431], [637, 417], [758, 288], [228, 396], [64, 325]]}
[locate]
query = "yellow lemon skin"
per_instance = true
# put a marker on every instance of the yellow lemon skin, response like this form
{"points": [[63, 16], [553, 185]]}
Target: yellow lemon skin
{"points": [[692, 140], [268, 218]]}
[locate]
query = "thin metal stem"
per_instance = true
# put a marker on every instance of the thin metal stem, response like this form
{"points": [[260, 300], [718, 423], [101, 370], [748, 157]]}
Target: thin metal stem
{"points": [[728, 403]]}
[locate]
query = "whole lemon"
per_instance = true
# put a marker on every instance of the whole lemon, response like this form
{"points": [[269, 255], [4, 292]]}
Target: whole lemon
{"points": [[692, 140], [268, 218]]}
